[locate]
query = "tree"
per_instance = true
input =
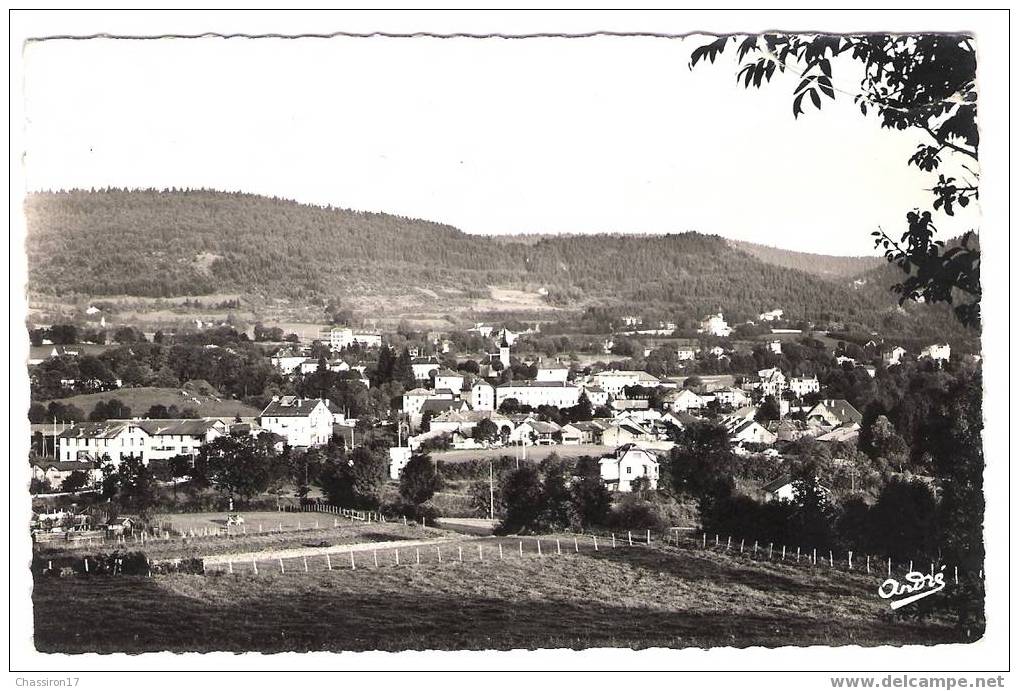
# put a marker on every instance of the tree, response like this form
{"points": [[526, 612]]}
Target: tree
{"points": [[556, 500], [591, 500], [132, 486], [242, 466], [355, 480], [904, 520], [419, 480], [769, 410], [485, 431], [113, 409], [77, 480], [522, 499], [925, 82], [702, 456], [37, 413]]}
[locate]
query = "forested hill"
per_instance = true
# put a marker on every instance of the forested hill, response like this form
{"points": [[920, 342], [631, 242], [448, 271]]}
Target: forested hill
{"points": [[171, 243], [819, 264]]}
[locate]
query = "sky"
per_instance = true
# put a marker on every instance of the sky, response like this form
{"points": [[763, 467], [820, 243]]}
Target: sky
{"points": [[540, 135]]}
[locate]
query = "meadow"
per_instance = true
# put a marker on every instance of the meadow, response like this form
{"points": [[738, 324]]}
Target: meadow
{"points": [[638, 597]]}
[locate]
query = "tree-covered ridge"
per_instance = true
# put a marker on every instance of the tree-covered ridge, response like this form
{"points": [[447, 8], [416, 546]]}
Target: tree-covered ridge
{"points": [[184, 242], [819, 264]]}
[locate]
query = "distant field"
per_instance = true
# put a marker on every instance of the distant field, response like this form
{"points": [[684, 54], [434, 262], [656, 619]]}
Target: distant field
{"points": [[533, 453], [140, 399], [627, 597]]}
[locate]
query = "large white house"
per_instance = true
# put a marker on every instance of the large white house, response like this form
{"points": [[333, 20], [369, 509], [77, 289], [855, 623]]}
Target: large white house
{"points": [[482, 395], [300, 421], [538, 393], [937, 351], [715, 325], [626, 464], [614, 381], [344, 337], [146, 439], [684, 400], [117, 440], [448, 379], [423, 367], [801, 386]]}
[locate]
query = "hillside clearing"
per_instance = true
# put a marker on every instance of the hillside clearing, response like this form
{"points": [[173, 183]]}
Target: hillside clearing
{"points": [[140, 399]]}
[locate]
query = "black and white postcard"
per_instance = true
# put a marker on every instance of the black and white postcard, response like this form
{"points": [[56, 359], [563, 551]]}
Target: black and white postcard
{"points": [[467, 341]]}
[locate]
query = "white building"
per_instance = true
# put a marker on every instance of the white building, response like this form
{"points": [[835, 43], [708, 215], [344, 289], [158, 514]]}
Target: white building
{"points": [[116, 440], [399, 457], [773, 382], [300, 421], [715, 325], [423, 367], [344, 337], [596, 395], [937, 352], [893, 356], [482, 395], [554, 373], [685, 353], [614, 381], [448, 379], [773, 315], [684, 400], [287, 360], [146, 439], [801, 386], [627, 464], [538, 393], [775, 347], [731, 397]]}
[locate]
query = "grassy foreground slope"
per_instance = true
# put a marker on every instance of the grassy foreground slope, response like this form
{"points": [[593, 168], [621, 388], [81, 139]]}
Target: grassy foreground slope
{"points": [[638, 597]]}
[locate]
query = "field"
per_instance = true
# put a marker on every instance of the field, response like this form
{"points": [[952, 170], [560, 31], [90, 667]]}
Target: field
{"points": [[534, 453], [140, 399], [636, 596], [261, 532]]}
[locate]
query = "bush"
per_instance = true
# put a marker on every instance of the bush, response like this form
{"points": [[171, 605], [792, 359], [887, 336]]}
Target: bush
{"points": [[634, 513]]}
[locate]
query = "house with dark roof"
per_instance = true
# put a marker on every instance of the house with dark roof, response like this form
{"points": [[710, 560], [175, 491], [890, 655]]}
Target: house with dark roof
{"points": [[833, 412], [299, 421]]}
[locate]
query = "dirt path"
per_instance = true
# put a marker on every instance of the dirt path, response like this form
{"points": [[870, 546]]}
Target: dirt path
{"points": [[292, 552]]}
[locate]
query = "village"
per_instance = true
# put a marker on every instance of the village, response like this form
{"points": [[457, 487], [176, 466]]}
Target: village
{"points": [[505, 400]]}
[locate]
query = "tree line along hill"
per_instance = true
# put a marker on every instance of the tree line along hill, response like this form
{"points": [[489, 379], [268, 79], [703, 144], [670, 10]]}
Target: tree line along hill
{"points": [[153, 243]]}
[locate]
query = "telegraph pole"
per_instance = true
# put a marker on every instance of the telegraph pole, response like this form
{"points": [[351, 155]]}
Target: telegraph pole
{"points": [[491, 490]]}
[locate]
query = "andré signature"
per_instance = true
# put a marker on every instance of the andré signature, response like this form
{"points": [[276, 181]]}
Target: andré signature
{"points": [[917, 586]]}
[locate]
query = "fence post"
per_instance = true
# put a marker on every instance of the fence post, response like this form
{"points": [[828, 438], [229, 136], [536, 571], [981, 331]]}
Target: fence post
{"points": [[850, 560], [438, 553], [86, 565], [783, 552], [797, 555], [375, 557], [769, 550], [889, 567], [831, 560], [613, 540], [306, 564], [576, 545], [932, 569], [460, 553], [397, 556], [704, 540], [254, 566], [649, 537], [230, 565], [595, 543], [481, 556], [539, 547], [405, 520], [629, 537], [417, 555], [500, 551], [282, 570], [329, 563], [520, 545], [728, 542], [352, 567], [259, 527], [956, 569], [910, 566], [814, 560], [755, 548], [558, 547]]}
